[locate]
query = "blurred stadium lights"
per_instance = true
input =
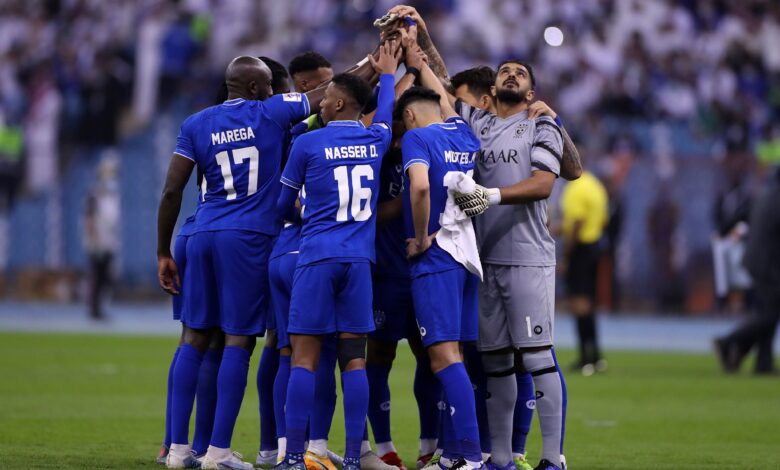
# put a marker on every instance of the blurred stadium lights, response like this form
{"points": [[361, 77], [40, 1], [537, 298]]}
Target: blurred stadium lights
{"points": [[553, 36], [363, 6]]}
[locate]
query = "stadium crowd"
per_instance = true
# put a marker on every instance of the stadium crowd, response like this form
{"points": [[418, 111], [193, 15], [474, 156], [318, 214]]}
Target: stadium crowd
{"points": [[70, 67]]}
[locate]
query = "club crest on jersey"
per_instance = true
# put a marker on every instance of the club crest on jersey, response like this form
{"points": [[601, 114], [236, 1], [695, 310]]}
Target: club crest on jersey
{"points": [[296, 97], [520, 129]]}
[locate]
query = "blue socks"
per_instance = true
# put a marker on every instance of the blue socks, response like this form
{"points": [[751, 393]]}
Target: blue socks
{"points": [[565, 398], [427, 391], [523, 414], [473, 361], [460, 396], [325, 378], [266, 374], [206, 403], [300, 400], [355, 385], [280, 395], [185, 382], [448, 442], [167, 441], [379, 401], [231, 383]]}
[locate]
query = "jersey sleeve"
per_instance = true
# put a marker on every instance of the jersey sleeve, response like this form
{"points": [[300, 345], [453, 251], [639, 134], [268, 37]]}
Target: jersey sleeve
{"points": [[469, 113], [413, 150], [295, 169], [287, 109], [547, 146], [184, 142]]}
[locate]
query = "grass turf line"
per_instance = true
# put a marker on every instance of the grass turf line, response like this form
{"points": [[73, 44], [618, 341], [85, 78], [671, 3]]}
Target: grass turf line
{"points": [[78, 401]]}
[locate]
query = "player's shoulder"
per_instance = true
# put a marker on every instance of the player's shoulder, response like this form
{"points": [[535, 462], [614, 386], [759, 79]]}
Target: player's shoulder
{"points": [[546, 123], [196, 118], [416, 135]]}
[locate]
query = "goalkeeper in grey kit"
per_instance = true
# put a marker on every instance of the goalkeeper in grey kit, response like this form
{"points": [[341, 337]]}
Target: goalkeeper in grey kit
{"points": [[516, 170]]}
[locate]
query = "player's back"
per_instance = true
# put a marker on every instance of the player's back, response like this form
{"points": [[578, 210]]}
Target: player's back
{"points": [[445, 147], [238, 148], [340, 166], [391, 237]]}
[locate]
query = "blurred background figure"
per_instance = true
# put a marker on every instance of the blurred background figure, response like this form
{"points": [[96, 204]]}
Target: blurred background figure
{"points": [[731, 213], [762, 260], [584, 211], [101, 233]]}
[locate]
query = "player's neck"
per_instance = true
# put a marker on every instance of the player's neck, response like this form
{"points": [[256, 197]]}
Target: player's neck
{"points": [[425, 120], [348, 116], [505, 110], [232, 95]]}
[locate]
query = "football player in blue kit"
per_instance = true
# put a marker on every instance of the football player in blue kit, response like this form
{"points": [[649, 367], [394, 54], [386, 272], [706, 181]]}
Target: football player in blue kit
{"points": [[393, 309], [238, 147], [308, 71], [444, 291], [339, 166]]}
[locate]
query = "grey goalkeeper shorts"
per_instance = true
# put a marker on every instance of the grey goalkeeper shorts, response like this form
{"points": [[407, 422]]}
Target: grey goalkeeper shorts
{"points": [[516, 307]]}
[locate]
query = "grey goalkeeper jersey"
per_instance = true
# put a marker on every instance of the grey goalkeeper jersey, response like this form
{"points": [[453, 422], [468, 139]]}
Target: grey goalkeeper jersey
{"points": [[511, 149]]}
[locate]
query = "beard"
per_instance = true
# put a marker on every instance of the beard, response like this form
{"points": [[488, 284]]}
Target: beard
{"points": [[510, 97]]}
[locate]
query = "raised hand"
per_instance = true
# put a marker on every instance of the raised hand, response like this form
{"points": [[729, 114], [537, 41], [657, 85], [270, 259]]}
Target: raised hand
{"points": [[389, 54], [540, 108]]}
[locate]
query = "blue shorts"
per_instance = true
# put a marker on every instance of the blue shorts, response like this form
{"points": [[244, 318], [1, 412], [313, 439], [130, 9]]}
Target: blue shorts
{"points": [[180, 257], [393, 310], [331, 297], [446, 306], [280, 274], [227, 281]]}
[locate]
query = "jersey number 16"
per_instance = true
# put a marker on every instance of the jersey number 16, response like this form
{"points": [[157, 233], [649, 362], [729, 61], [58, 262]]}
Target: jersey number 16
{"points": [[361, 197]]}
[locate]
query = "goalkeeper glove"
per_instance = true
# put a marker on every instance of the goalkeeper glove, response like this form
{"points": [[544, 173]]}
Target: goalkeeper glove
{"points": [[477, 201]]}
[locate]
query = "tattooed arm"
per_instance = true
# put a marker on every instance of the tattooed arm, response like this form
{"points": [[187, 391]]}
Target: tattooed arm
{"points": [[571, 166], [424, 40]]}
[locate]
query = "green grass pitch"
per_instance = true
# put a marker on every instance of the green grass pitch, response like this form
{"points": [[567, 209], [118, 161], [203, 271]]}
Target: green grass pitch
{"points": [[80, 401]]}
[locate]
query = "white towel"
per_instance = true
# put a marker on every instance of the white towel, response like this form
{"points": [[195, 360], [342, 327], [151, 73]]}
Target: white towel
{"points": [[456, 235]]}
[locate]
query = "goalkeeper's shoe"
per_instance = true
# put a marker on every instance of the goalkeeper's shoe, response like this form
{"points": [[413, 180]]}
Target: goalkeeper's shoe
{"points": [[315, 461], [371, 461], [545, 464], [162, 455], [521, 463]]}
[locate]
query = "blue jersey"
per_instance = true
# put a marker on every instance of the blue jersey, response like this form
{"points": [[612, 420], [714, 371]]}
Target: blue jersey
{"points": [[443, 147], [340, 165], [390, 238], [238, 147]]}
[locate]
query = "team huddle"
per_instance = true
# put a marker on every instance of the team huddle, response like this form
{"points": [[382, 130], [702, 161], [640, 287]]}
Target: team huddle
{"points": [[336, 220]]}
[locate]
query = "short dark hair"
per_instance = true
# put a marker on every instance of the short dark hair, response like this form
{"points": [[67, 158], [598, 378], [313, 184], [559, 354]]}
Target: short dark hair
{"points": [[307, 62], [414, 95], [354, 86], [524, 64], [479, 80], [278, 73]]}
